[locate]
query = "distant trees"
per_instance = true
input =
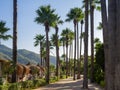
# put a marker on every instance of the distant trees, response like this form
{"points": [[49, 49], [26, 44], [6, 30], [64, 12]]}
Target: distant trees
{"points": [[39, 40], [56, 37], [65, 33], [75, 15]]}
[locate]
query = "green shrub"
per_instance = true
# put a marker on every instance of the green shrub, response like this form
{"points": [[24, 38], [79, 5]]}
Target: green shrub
{"points": [[26, 85], [1, 81], [38, 83], [102, 83], [3, 87], [53, 79], [63, 76], [13, 86]]}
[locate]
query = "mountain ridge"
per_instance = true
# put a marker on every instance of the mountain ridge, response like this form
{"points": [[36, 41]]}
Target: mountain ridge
{"points": [[24, 56]]}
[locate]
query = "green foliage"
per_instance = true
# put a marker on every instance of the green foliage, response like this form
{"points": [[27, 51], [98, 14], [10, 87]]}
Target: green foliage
{"points": [[53, 79], [75, 14], [26, 85], [1, 81], [100, 55], [63, 76], [102, 83], [3, 31], [46, 16], [3, 87], [99, 64]]}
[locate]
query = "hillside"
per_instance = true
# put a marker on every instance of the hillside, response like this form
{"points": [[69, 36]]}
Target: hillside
{"points": [[24, 56]]}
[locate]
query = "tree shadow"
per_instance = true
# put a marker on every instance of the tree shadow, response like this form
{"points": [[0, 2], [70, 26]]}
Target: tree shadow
{"points": [[71, 85]]}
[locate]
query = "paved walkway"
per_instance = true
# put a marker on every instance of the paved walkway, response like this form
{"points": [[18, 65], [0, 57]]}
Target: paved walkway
{"points": [[68, 84]]}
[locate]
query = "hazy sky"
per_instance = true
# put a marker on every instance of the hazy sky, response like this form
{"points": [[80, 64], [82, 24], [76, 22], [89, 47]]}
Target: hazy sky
{"points": [[27, 28]]}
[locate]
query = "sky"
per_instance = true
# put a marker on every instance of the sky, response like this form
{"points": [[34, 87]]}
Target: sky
{"points": [[27, 28]]}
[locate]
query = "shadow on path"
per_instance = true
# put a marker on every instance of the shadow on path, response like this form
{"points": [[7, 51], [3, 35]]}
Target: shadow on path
{"points": [[69, 84]]}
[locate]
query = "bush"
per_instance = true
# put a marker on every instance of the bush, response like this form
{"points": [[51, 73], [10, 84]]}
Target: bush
{"points": [[53, 79], [3, 87], [63, 76], [23, 85], [102, 83]]}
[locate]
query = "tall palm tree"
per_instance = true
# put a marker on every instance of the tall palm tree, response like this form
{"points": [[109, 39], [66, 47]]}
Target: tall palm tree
{"points": [[85, 79], [75, 15], [3, 31], [53, 41], [39, 39], [14, 39], [55, 25], [46, 16], [65, 33], [71, 38], [94, 4], [81, 37]]}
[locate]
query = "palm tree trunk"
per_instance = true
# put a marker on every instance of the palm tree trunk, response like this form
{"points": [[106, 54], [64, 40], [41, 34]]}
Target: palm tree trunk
{"points": [[64, 50], [0, 70], [78, 58], [47, 55], [41, 54], [14, 79], [57, 55], [92, 40], [85, 79], [74, 49], [117, 47], [114, 59], [105, 38], [81, 43], [67, 57]]}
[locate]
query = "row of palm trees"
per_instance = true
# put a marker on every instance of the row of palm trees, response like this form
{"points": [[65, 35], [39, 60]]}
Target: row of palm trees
{"points": [[47, 17], [110, 22]]}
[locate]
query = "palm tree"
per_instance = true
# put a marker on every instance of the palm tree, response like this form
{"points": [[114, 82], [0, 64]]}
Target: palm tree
{"points": [[94, 4], [75, 15], [85, 79], [71, 38], [3, 31], [55, 25], [65, 33], [14, 39], [53, 41], [81, 37], [39, 39], [46, 16]]}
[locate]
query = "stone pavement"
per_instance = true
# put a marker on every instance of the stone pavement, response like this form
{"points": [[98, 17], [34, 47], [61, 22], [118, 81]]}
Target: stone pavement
{"points": [[69, 84]]}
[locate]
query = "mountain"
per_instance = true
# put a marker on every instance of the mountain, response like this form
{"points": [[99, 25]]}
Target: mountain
{"points": [[24, 56]]}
